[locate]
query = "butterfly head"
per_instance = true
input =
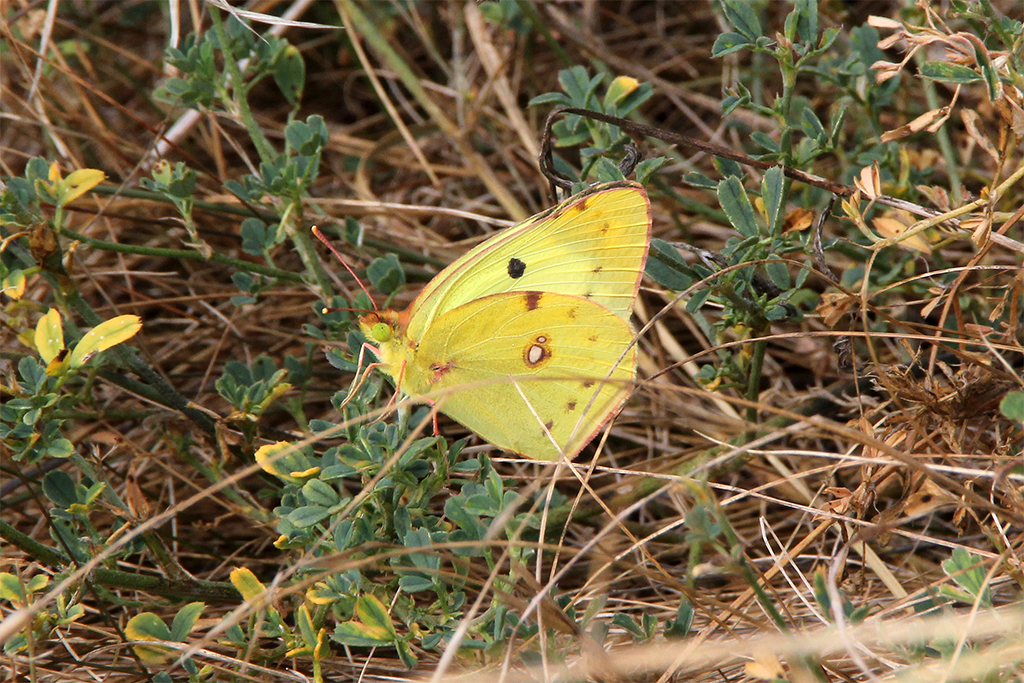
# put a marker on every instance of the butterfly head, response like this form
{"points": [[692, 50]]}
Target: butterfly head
{"points": [[385, 330], [380, 327]]}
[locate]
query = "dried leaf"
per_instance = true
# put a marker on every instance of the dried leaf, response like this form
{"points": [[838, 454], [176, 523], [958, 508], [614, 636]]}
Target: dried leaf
{"points": [[833, 306], [889, 226], [869, 181], [798, 220]]}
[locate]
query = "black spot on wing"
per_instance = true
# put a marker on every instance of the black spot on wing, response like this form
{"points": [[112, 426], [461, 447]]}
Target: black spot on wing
{"points": [[516, 268]]}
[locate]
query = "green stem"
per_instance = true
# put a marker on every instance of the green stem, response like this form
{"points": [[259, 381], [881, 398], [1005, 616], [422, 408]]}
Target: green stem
{"points": [[942, 135], [190, 589], [240, 92], [754, 383], [185, 254]]}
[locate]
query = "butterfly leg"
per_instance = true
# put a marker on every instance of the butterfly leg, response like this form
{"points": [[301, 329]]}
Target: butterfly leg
{"points": [[358, 382]]}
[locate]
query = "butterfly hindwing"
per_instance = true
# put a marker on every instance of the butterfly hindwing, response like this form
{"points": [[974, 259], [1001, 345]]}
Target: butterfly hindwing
{"points": [[530, 368]]}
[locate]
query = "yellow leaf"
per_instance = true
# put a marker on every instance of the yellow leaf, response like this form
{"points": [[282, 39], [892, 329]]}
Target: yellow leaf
{"points": [[80, 182], [285, 461], [148, 626], [620, 88], [14, 284], [103, 336], [49, 339], [276, 393], [247, 584]]}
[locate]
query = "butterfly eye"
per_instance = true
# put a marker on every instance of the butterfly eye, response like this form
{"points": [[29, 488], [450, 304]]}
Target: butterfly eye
{"points": [[381, 332]]}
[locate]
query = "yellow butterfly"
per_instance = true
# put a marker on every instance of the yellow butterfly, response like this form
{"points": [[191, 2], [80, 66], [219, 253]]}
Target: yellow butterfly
{"points": [[542, 311]]}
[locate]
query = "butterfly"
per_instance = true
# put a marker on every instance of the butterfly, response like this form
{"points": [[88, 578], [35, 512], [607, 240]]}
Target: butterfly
{"points": [[530, 329]]}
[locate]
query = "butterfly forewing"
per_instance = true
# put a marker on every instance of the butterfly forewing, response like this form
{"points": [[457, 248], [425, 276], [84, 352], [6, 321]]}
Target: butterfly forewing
{"points": [[593, 245], [542, 371]]}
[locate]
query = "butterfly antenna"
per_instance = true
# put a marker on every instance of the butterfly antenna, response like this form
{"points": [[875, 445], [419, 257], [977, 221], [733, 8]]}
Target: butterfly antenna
{"points": [[320, 236]]}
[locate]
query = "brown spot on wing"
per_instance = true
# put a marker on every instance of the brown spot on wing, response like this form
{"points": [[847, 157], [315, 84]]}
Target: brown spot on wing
{"points": [[597, 270], [570, 406], [440, 370], [537, 351], [587, 383], [532, 300]]}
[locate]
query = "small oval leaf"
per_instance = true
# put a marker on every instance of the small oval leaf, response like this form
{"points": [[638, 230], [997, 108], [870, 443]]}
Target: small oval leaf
{"points": [[49, 337], [103, 336]]}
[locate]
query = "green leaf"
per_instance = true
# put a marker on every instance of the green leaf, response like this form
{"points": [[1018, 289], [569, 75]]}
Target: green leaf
{"points": [[743, 18], [306, 628], [765, 141], [949, 73], [148, 626], [737, 206], [646, 168], [813, 125], [779, 274], [412, 583], [807, 20], [60, 488], [680, 626], [968, 572], [255, 238], [386, 274], [12, 590], [372, 612], [185, 620], [290, 73], [405, 653], [356, 634], [319, 493], [628, 623], [771, 193], [699, 180], [1012, 406], [727, 43], [666, 267], [308, 515]]}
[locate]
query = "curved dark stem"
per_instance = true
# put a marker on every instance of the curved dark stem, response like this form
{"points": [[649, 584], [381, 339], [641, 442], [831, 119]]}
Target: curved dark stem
{"points": [[639, 129]]}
